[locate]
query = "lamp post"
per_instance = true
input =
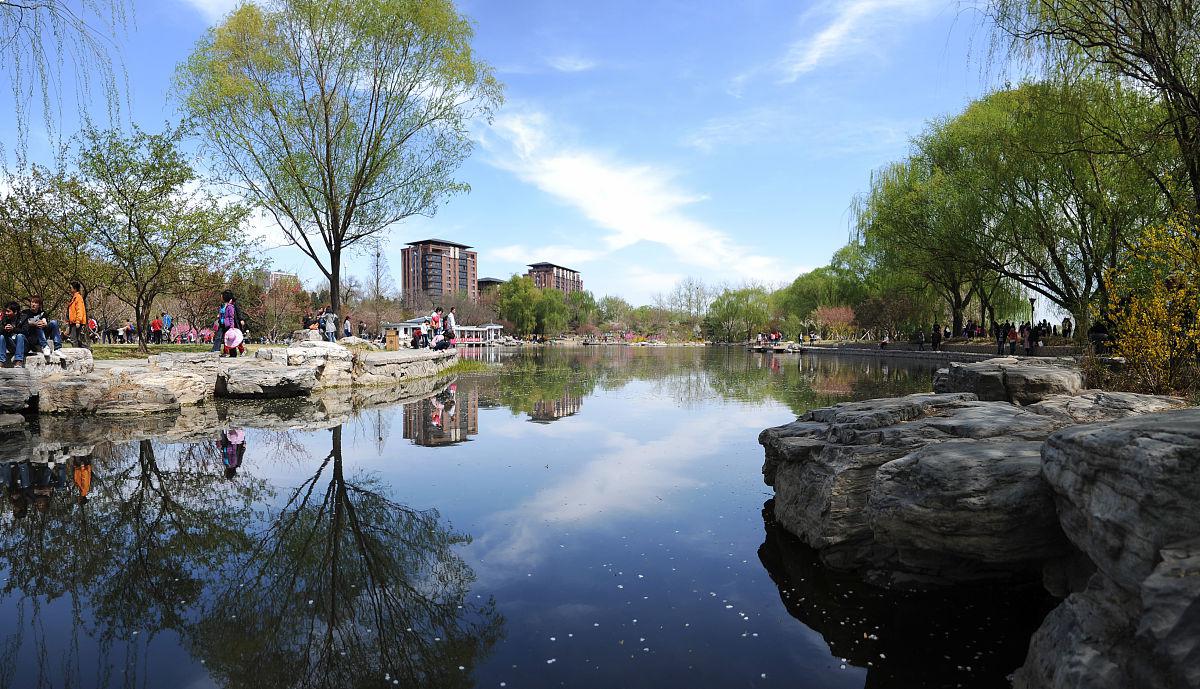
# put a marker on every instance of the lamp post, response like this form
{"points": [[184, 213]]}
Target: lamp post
{"points": [[1031, 300]]}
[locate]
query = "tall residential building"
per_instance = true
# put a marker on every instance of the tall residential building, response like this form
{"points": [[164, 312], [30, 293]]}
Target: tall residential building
{"points": [[550, 276], [434, 268]]}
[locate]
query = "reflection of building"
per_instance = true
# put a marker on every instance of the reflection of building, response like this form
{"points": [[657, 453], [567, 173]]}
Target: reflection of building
{"points": [[550, 276], [435, 268], [546, 411], [447, 418]]}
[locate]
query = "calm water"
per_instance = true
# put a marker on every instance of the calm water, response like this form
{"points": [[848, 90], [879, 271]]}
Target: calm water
{"points": [[584, 518]]}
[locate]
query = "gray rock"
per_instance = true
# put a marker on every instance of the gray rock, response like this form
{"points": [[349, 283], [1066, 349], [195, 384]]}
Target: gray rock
{"points": [[1023, 381], [250, 378], [982, 506], [63, 393], [389, 368], [18, 389], [305, 335], [1098, 405], [11, 421]]}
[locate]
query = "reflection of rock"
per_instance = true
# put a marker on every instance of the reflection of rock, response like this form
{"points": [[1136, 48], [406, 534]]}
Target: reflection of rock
{"points": [[1024, 381], [969, 637], [1128, 495], [11, 421]]}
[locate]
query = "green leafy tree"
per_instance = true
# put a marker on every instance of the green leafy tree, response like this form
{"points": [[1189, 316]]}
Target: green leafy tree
{"points": [[553, 313], [138, 201], [340, 117], [583, 309], [517, 304]]}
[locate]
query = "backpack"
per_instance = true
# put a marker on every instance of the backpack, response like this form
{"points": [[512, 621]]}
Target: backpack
{"points": [[227, 316]]}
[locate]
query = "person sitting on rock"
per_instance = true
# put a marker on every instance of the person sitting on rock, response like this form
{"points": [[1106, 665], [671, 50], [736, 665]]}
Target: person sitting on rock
{"points": [[40, 329], [12, 330]]}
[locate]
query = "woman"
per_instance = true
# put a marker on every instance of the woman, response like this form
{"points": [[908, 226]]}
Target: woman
{"points": [[229, 315], [347, 327]]}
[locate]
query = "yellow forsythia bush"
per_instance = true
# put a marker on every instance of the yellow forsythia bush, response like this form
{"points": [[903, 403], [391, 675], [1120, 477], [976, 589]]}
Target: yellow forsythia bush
{"points": [[1155, 298]]}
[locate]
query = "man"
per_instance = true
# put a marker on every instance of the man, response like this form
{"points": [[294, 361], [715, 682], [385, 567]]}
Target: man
{"points": [[38, 328], [362, 330], [13, 333], [77, 316], [156, 327], [168, 322]]}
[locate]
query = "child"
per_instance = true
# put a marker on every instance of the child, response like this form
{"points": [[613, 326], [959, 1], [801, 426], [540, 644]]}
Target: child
{"points": [[233, 345]]}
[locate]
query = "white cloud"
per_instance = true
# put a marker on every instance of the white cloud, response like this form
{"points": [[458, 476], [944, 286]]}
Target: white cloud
{"points": [[822, 136], [853, 28], [571, 63], [213, 9], [630, 202]]}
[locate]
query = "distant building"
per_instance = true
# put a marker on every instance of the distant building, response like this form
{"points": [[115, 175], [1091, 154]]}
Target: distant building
{"points": [[486, 284], [434, 268], [275, 277], [551, 276]]}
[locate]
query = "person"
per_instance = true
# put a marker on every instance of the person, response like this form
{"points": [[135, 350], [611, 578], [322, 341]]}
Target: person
{"points": [[233, 344], [362, 330], [935, 337], [167, 323], [39, 329], [128, 331], [156, 327], [229, 315], [886, 339], [1013, 337], [451, 325], [330, 323], [232, 445], [347, 327], [435, 322], [81, 472], [920, 339], [77, 316], [13, 333], [418, 339]]}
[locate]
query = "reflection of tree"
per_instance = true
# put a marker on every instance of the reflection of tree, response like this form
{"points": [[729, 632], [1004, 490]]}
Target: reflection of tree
{"points": [[970, 637], [343, 588]]}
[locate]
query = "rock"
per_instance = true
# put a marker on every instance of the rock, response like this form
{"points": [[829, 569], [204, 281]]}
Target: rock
{"points": [[824, 468], [357, 342], [63, 393], [388, 368], [980, 506], [305, 335], [1127, 489], [1023, 381], [1128, 495], [9, 422], [136, 400], [205, 364], [73, 360], [333, 363], [18, 389], [1097, 405], [250, 378], [276, 354]]}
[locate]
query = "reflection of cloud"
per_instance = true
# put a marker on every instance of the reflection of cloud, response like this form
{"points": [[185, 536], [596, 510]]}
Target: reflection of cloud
{"points": [[627, 477], [631, 202]]}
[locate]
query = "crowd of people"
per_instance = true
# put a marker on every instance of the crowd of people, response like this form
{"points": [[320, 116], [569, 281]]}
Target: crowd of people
{"points": [[441, 333], [326, 322], [31, 330]]}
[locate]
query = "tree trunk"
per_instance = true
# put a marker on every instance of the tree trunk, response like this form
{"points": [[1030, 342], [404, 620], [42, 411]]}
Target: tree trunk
{"points": [[335, 281], [139, 317]]}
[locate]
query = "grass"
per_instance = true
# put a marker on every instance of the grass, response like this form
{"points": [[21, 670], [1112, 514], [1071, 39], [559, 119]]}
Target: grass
{"points": [[463, 366], [110, 352]]}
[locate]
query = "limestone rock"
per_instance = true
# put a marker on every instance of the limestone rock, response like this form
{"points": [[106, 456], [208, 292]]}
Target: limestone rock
{"points": [[250, 378], [305, 335], [980, 508], [1091, 406], [18, 389], [72, 394], [9, 422], [276, 354], [1023, 381], [388, 368], [136, 400]]}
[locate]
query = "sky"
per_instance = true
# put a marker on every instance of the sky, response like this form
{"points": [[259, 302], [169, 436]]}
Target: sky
{"points": [[644, 142]]}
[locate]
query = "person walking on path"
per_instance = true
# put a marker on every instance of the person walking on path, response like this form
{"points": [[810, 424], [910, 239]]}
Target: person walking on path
{"points": [[167, 323], [156, 330], [77, 316]]}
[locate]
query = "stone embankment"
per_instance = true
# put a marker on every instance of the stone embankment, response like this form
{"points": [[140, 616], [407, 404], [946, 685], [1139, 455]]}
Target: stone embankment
{"points": [[1012, 471], [71, 383]]}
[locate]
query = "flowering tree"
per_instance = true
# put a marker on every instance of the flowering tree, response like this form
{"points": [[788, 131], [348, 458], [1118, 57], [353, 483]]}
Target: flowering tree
{"points": [[1157, 297], [834, 320]]}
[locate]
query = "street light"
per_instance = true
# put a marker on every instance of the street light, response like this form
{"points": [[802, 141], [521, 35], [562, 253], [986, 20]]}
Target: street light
{"points": [[1031, 300]]}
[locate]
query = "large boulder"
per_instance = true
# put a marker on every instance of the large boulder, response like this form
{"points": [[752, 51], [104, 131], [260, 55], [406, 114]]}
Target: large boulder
{"points": [[1128, 495], [68, 360], [980, 508], [1091, 406], [825, 468], [1023, 381], [332, 363], [250, 378], [388, 368], [63, 393], [18, 389]]}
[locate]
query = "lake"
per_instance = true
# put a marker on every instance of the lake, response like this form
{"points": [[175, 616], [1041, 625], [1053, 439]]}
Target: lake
{"points": [[587, 517]]}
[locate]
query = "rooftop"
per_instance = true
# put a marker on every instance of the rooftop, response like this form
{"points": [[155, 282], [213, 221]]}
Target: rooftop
{"points": [[551, 265], [490, 281], [443, 242]]}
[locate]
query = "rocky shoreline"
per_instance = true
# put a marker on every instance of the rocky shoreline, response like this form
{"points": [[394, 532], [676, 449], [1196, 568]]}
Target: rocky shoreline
{"points": [[1013, 472], [70, 383]]}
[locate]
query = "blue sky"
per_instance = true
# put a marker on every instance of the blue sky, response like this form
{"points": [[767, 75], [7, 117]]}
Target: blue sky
{"points": [[642, 142]]}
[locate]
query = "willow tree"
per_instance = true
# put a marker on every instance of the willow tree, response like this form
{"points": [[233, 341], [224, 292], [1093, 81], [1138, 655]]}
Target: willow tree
{"points": [[339, 117], [1153, 43]]}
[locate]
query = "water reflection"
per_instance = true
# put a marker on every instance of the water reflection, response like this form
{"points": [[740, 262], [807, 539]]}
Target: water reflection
{"points": [[328, 582], [447, 418], [968, 637]]}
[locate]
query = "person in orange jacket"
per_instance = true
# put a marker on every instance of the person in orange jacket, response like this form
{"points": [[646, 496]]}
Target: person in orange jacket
{"points": [[77, 316]]}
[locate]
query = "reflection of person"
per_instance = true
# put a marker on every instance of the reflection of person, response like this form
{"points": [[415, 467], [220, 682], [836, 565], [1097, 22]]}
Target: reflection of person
{"points": [[16, 478], [81, 472], [232, 445]]}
